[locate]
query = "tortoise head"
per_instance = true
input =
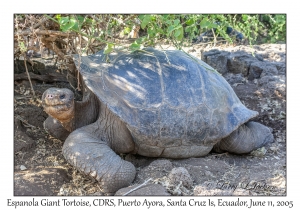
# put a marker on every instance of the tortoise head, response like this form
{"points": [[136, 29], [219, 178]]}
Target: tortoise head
{"points": [[59, 103]]}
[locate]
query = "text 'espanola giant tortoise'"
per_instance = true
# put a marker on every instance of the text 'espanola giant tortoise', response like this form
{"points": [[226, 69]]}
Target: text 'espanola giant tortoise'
{"points": [[156, 104]]}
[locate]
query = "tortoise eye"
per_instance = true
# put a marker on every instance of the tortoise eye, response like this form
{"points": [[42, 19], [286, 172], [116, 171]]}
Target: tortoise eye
{"points": [[62, 96]]}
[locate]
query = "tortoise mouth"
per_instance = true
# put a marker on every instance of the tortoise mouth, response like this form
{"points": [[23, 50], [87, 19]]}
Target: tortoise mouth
{"points": [[57, 107]]}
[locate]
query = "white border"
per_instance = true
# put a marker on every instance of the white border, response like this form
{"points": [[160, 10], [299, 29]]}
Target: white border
{"points": [[151, 6]]}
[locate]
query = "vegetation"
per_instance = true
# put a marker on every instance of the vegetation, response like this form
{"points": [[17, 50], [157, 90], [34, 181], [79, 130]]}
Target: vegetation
{"points": [[89, 33], [66, 34]]}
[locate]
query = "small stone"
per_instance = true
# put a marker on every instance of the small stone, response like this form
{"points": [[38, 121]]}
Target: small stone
{"points": [[208, 173], [161, 164], [269, 70], [180, 174], [260, 152], [255, 70], [22, 168]]}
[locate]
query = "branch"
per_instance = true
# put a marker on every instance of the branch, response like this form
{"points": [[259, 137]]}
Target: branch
{"points": [[44, 32], [28, 77], [44, 19], [52, 46], [138, 187], [45, 78]]}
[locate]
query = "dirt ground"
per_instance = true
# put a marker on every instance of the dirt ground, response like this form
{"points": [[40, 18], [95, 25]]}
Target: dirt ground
{"points": [[40, 168]]}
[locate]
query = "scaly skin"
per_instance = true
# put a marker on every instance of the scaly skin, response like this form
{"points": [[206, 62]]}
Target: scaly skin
{"points": [[246, 138], [88, 148]]}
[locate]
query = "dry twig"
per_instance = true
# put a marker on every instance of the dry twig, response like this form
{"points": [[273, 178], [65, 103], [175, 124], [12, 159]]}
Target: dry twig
{"points": [[52, 77], [138, 187]]}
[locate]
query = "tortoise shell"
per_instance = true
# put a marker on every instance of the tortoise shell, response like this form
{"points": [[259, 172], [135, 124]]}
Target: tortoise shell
{"points": [[167, 99]]}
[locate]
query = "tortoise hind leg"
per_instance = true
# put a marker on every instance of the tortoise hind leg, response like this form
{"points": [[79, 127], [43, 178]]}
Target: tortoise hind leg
{"points": [[92, 156], [246, 138]]}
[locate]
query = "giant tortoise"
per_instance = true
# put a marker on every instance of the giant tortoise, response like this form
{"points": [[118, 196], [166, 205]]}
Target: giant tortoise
{"points": [[152, 103]]}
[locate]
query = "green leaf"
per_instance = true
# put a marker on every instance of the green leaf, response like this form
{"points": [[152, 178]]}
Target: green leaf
{"points": [[151, 32], [141, 17], [212, 25], [69, 25], [169, 22], [22, 47], [63, 20], [126, 30], [58, 17], [145, 21], [204, 23], [245, 17], [176, 22], [188, 29], [170, 29], [108, 48], [80, 18], [179, 33], [190, 22], [135, 46]]}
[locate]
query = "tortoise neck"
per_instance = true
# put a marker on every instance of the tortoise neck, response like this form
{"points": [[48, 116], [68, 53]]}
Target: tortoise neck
{"points": [[86, 111], [67, 119], [69, 125]]}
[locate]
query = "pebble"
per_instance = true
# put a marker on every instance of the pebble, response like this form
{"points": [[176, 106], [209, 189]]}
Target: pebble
{"points": [[22, 167], [260, 152]]}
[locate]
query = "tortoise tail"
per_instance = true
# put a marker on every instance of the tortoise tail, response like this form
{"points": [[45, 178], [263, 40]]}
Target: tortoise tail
{"points": [[245, 139]]}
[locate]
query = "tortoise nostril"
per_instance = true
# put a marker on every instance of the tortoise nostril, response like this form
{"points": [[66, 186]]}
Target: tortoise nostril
{"points": [[49, 96]]}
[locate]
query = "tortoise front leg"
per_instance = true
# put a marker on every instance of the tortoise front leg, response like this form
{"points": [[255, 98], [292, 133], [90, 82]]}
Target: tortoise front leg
{"points": [[91, 154], [245, 139], [55, 128]]}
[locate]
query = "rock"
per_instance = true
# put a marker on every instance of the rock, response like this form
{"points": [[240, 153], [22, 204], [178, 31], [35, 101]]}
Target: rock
{"points": [[180, 174], [260, 152], [34, 115], [260, 69], [156, 169], [23, 168], [45, 182], [267, 60], [37, 67], [255, 70], [281, 67], [147, 190], [267, 79], [274, 84], [240, 62], [259, 57], [208, 173], [234, 78], [269, 70], [216, 59], [22, 142], [161, 164], [211, 189]]}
